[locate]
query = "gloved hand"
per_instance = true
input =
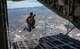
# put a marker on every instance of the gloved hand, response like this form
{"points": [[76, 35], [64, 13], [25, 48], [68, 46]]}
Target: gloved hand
{"points": [[34, 15]]}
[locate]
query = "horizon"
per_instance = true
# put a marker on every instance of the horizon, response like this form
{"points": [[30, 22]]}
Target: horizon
{"points": [[23, 4]]}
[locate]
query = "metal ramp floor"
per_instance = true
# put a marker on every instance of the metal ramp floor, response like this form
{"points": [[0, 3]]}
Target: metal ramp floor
{"points": [[57, 42]]}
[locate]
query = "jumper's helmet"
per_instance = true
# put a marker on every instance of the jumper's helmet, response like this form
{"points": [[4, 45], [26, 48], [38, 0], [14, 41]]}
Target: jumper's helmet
{"points": [[31, 13]]}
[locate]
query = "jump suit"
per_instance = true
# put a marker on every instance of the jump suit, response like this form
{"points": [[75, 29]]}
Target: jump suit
{"points": [[30, 24]]}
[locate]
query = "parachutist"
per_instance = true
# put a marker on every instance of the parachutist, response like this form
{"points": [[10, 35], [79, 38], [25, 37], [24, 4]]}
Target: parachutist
{"points": [[31, 21]]}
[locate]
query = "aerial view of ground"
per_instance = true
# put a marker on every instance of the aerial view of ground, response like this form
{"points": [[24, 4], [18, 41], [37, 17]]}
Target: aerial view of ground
{"points": [[47, 23]]}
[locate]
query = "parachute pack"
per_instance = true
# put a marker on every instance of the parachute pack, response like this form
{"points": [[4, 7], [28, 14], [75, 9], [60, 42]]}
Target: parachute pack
{"points": [[30, 20]]}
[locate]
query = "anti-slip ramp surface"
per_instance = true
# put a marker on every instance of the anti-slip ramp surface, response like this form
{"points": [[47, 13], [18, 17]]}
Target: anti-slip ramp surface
{"points": [[57, 42]]}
